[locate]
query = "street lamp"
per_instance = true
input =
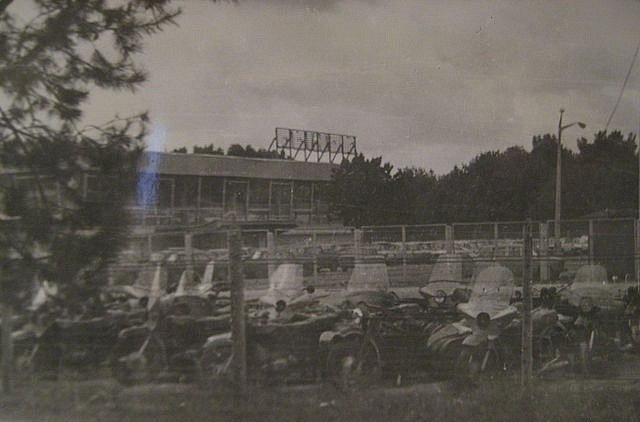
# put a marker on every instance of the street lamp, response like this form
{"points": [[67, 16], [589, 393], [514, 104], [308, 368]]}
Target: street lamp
{"points": [[558, 203]]}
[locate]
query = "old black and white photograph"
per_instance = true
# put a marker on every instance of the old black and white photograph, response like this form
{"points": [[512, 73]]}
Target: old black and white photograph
{"points": [[319, 210]]}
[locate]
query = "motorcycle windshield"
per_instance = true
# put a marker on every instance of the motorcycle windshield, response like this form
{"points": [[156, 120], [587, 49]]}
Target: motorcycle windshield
{"points": [[450, 271], [590, 274], [591, 281], [286, 283], [491, 292], [369, 276], [449, 267]]}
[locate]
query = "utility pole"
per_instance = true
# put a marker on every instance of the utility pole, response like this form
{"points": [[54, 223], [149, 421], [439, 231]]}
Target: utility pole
{"points": [[558, 201], [637, 224], [527, 326]]}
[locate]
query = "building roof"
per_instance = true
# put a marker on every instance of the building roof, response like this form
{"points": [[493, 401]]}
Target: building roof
{"points": [[229, 166]]}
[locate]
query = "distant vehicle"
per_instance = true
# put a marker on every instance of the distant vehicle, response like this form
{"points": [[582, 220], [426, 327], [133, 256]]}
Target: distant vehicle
{"points": [[592, 283], [422, 252], [510, 255], [392, 252], [396, 253], [325, 257]]}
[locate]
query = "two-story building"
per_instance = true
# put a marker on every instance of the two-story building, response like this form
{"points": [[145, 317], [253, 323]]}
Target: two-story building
{"points": [[190, 189]]}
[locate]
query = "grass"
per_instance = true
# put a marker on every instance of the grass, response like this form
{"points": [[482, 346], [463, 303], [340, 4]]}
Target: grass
{"points": [[104, 400]]}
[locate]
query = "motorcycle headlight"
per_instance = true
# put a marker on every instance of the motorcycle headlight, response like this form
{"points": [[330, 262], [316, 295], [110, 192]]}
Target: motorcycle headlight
{"points": [[440, 297], [357, 315], [281, 305], [586, 304], [483, 320]]}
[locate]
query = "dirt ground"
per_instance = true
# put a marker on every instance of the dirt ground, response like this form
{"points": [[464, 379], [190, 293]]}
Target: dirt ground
{"points": [[83, 398]]}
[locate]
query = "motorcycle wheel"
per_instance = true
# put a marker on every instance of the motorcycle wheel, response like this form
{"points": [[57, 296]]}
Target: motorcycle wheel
{"points": [[139, 367], [546, 348], [473, 363], [634, 328], [352, 364], [216, 362], [466, 366], [585, 352]]}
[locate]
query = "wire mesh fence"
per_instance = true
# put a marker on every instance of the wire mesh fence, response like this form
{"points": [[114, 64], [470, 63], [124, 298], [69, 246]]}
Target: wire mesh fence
{"points": [[328, 255]]}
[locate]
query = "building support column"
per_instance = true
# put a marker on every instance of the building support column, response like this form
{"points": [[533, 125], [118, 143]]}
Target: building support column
{"points": [[271, 253]]}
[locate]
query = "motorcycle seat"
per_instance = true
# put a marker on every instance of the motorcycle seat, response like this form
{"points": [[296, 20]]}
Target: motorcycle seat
{"points": [[564, 318]]}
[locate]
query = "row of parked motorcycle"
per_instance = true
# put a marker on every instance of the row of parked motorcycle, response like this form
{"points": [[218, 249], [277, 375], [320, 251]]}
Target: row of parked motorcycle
{"points": [[457, 326]]}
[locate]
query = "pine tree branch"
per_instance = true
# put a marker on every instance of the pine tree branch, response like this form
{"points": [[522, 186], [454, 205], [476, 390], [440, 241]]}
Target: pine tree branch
{"points": [[4, 4], [18, 137]]}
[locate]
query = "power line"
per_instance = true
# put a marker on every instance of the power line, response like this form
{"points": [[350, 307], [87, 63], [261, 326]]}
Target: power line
{"points": [[624, 85]]}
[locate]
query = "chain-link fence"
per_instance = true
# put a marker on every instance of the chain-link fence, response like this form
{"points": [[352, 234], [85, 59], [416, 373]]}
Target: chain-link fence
{"points": [[328, 255]]}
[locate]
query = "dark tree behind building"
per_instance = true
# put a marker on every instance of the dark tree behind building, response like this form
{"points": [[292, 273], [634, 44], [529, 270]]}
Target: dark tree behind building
{"points": [[208, 149], [607, 173], [238, 150], [360, 192], [514, 184], [75, 177]]}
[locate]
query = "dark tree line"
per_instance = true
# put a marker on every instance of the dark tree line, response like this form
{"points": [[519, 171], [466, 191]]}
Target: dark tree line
{"points": [[235, 150], [513, 184]]}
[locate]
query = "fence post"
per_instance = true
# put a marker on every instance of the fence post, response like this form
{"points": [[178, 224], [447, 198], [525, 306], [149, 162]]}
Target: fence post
{"points": [[188, 251], [545, 273], [315, 258], [591, 243], [271, 253], [527, 328], [238, 334], [149, 245], [448, 237], [357, 245], [636, 252], [404, 254], [111, 278], [7, 346]]}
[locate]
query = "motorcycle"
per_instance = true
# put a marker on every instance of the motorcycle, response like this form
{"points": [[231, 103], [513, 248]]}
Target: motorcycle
{"points": [[487, 340], [380, 335], [449, 283], [487, 314], [631, 328], [590, 317], [282, 348], [169, 342]]}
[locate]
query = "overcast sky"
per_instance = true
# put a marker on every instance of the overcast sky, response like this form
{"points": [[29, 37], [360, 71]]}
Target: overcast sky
{"points": [[422, 83]]}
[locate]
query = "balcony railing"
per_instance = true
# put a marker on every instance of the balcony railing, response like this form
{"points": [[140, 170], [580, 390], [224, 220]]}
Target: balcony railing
{"points": [[181, 216]]}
